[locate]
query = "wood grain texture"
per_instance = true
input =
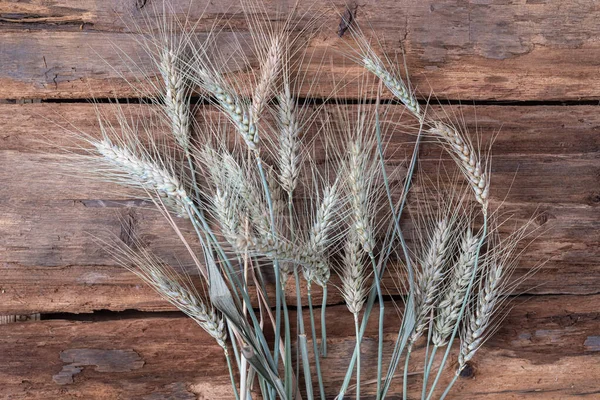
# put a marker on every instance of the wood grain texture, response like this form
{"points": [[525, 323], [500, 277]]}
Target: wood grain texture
{"points": [[51, 221], [500, 50], [546, 348]]}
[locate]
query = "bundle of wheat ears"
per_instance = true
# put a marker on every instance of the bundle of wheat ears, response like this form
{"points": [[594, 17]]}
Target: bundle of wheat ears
{"points": [[288, 196]]}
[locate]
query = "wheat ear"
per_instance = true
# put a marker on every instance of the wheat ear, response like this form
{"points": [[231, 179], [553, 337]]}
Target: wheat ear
{"points": [[467, 158], [354, 288], [145, 173], [227, 212], [394, 83], [181, 294], [431, 276], [229, 176], [206, 316], [320, 234], [269, 71], [479, 320], [175, 97], [276, 191], [449, 307], [230, 103], [288, 142], [359, 196]]}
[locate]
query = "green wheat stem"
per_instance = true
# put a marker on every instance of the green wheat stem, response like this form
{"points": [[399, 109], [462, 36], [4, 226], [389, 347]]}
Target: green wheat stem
{"points": [[427, 371], [315, 345], [363, 327], [301, 332], [427, 365], [381, 317], [405, 374], [236, 353], [299, 312], [358, 340], [324, 323], [278, 292], [231, 376], [304, 351], [443, 396], [288, 350], [397, 214]]}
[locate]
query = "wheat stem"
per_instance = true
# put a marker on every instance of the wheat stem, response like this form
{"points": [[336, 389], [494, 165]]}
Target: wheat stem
{"points": [[358, 340], [405, 374], [315, 345], [324, 323]]}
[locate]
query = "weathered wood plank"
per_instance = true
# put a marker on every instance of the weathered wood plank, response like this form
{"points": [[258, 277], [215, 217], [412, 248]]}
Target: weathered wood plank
{"points": [[51, 261], [546, 348], [479, 50]]}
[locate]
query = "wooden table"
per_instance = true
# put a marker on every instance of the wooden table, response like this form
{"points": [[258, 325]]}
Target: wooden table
{"points": [[76, 325]]}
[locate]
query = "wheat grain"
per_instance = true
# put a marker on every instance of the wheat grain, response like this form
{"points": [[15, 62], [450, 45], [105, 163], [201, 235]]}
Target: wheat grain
{"points": [[319, 233], [431, 275], [175, 97], [288, 142], [354, 289], [448, 309], [269, 70], [227, 212], [235, 108], [275, 189], [395, 84], [145, 173], [479, 320], [468, 160], [357, 170]]}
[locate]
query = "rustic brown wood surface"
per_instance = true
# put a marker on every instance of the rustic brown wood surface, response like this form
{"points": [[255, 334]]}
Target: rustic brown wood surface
{"points": [[73, 324], [501, 50], [53, 219], [547, 348]]}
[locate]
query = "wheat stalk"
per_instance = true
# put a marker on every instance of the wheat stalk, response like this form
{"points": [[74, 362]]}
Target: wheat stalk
{"points": [[449, 307]]}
